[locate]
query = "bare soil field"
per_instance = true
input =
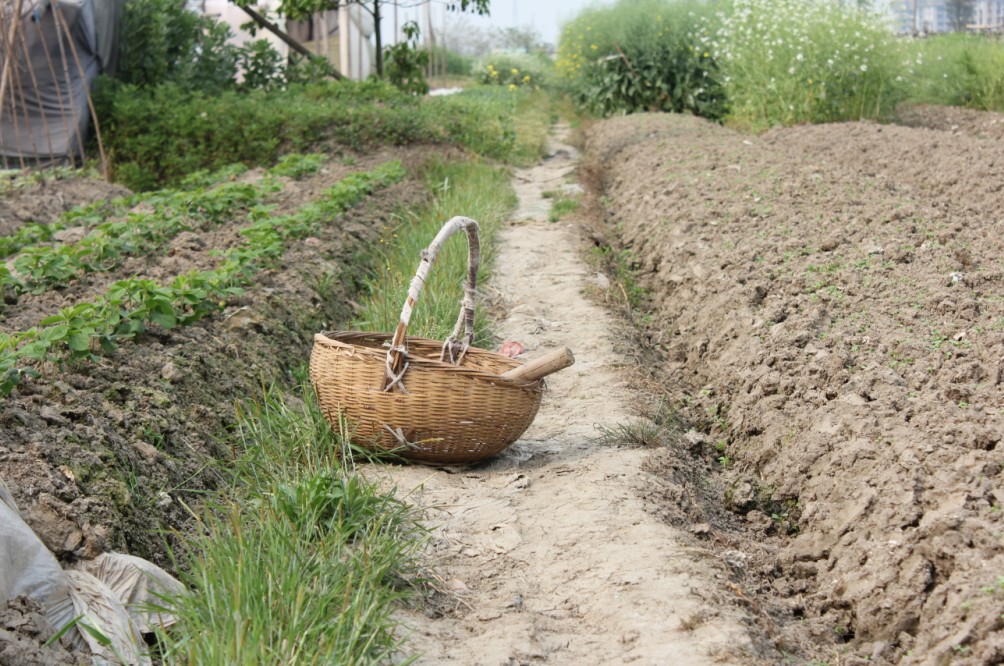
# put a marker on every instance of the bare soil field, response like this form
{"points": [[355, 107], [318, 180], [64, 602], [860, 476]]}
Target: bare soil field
{"points": [[829, 302], [44, 200], [112, 455], [558, 550], [823, 306]]}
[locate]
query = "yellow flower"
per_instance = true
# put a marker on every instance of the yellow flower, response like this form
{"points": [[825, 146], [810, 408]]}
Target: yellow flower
{"points": [[705, 54], [512, 86], [526, 79], [495, 74], [515, 71], [593, 47]]}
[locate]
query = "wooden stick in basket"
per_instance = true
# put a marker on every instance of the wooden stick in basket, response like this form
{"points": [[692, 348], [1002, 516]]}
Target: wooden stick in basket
{"points": [[541, 367]]}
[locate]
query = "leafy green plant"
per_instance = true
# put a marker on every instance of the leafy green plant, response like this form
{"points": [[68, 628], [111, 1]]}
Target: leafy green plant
{"points": [[42, 266], [639, 55], [126, 309], [299, 166], [562, 206], [164, 41], [781, 63], [514, 70], [309, 557], [405, 63], [261, 65]]}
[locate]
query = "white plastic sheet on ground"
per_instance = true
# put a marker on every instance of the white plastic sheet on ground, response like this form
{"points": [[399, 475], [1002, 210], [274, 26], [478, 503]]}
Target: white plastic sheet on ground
{"points": [[120, 597]]}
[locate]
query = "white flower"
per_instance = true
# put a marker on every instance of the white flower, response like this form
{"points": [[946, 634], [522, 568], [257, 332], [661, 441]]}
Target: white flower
{"points": [[864, 68], [800, 57]]}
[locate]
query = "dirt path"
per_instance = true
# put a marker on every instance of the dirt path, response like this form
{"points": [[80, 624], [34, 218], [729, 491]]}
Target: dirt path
{"points": [[832, 294], [548, 553]]}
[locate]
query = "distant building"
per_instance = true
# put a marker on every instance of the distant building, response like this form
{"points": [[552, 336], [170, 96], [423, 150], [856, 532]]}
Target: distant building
{"points": [[988, 16], [320, 33], [931, 16]]}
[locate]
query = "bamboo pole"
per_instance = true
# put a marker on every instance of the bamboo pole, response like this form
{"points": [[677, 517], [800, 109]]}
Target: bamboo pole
{"points": [[87, 94], [38, 94], [15, 23], [59, 90]]}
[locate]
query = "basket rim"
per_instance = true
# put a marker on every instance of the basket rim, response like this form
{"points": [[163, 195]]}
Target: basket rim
{"points": [[347, 340]]}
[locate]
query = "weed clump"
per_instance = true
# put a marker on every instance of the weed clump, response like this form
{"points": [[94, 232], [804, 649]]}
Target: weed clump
{"points": [[639, 56]]}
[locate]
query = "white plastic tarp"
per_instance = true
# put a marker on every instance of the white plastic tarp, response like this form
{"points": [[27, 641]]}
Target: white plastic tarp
{"points": [[27, 568], [44, 112], [118, 597]]}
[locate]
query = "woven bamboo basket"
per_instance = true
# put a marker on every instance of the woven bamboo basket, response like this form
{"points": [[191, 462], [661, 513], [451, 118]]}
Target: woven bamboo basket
{"points": [[429, 401]]}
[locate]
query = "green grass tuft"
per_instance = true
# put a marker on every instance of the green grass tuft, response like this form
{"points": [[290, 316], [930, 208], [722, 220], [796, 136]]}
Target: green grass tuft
{"points": [[303, 561], [472, 189]]}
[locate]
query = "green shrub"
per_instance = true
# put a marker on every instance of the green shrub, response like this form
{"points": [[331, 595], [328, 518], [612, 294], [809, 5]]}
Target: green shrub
{"points": [[787, 61], [962, 70], [163, 41], [406, 63], [638, 55], [156, 137], [514, 70], [456, 64]]}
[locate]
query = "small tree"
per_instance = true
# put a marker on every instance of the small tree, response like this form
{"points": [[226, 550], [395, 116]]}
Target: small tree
{"points": [[301, 9], [960, 13], [406, 63]]}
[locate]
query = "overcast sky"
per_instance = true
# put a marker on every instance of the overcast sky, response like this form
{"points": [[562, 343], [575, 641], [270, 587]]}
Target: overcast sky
{"points": [[545, 16]]}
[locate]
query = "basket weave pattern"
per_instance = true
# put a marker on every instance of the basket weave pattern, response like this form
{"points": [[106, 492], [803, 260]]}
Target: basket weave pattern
{"points": [[403, 394], [451, 413]]}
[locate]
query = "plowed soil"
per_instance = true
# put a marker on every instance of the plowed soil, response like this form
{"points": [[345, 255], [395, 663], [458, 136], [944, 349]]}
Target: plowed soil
{"points": [[555, 551], [111, 455], [822, 307], [830, 302]]}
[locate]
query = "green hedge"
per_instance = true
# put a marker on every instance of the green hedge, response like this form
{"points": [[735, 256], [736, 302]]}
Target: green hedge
{"points": [[156, 137]]}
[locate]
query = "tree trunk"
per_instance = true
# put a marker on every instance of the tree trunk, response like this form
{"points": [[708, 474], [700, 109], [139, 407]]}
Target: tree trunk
{"points": [[379, 39], [292, 43]]}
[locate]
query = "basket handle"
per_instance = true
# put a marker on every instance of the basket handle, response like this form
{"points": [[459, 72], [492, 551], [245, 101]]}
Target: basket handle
{"points": [[453, 349]]}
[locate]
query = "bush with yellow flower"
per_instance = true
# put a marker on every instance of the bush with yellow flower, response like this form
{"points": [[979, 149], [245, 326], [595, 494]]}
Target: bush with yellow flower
{"points": [[514, 71]]}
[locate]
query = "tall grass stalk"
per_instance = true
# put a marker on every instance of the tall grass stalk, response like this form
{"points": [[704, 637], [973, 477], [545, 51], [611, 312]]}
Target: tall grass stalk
{"points": [[495, 122], [961, 70], [300, 560], [638, 55], [785, 62], [472, 189], [303, 560]]}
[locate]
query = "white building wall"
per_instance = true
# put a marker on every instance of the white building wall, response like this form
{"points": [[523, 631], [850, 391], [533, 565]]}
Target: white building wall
{"points": [[233, 16]]}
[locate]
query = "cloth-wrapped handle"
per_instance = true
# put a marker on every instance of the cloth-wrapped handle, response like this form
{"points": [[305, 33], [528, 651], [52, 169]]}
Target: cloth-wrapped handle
{"points": [[454, 347]]}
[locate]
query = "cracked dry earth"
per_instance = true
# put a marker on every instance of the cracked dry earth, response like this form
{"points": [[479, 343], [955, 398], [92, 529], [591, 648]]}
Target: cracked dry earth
{"points": [[548, 553]]}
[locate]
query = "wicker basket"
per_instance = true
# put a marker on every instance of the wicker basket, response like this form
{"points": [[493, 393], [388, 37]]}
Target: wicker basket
{"points": [[428, 401]]}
